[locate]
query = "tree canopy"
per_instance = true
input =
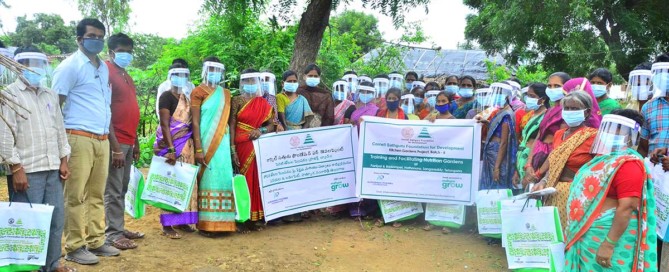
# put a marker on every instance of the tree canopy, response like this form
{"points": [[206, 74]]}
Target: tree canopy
{"points": [[114, 14], [48, 32]]}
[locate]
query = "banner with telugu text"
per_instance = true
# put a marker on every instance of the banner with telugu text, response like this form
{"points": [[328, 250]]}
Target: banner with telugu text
{"points": [[306, 169]]}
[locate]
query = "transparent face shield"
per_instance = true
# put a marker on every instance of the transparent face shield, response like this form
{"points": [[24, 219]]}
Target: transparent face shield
{"points": [[250, 85], [499, 93], [660, 79], [431, 98], [418, 84], [351, 83], [366, 94], [6, 77], [178, 78], [515, 88], [616, 133], [396, 81], [381, 85], [482, 99], [268, 83], [38, 75], [213, 73], [407, 103], [362, 79], [340, 90], [639, 85]]}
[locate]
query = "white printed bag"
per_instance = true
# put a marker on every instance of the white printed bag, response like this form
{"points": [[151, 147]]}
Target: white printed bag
{"points": [[661, 186], [134, 206], [511, 204], [393, 210], [445, 215], [169, 187], [24, 235], [530, 237], [487, 211]]}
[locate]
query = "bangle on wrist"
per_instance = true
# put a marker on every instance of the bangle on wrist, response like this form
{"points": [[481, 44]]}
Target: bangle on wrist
{"points": [[117, 153], [199, 150], [608, 240], [17, 169], [171, 150]]}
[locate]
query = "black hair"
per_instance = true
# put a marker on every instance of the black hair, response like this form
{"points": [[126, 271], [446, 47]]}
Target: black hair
{"points": [[2, 45], [644, 66], [446, 95], [417, 88], [27, 49], [176, 65], [662, 58], [631, 114], [367, 83], [249, 70], [602, 73], [452, 76], [411, 73], [562, 75], [540, 89], [180, 61], [382, 76], [212, 59], [470, 78], [287, 74], [515, 79], [348, 73], [433, 84], [312, 66], [394, 91], [119, 39], [81, 26]]}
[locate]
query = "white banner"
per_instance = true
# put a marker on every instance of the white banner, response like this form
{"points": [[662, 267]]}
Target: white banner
{"points": [[397, 210], [306, 169], [419, 161]]}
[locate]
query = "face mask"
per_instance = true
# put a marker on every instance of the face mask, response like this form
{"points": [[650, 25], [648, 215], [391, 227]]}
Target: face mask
{"points": [[405, 108], [615, 141], [35, 78], [452, 89], [214, 77], [339, 95], [353, 86], [382, 91], [313, 81], [599, 90], [531, 103], [443, 108], [466, 92], [500, 101], [417, 100], [393, 105], [408, 86], [250, 88], [366, 98], [122, 59], [481, 100], [93, 46], [290, 87], [265, 87], [573, 118], [661, 81], [395, 84], [178, 82], [555, 94], [432, 101]]}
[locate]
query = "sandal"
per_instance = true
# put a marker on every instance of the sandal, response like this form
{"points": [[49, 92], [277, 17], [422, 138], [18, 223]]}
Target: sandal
{"points": [[132, 235], [66, 268], [210, 234], [124, 243], [368, 218], [397, 225], [185, 228], [170, 233], [379, 223], [428, 227], [445, 230]]}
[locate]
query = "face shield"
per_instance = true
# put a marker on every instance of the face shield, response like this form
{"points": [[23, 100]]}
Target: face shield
{"points": [[340, 90], [431, 97], [178, 78], [639, 85], [6, 77], [251, 85], [515, 88], [660, 79], [268, 83], [366, 94], [407, 103], [499, 94], [616, 133], [351, 83], [418, 83], [381, 85], [396, 81], [38, 65], [364, 78], [482, 99], [213, 73]]}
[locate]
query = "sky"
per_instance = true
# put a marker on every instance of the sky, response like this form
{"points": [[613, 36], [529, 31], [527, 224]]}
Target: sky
{"points": [[444, 24]]}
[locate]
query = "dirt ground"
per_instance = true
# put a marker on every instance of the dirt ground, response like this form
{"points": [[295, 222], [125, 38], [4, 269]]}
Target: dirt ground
{"points": [[317, 244]]}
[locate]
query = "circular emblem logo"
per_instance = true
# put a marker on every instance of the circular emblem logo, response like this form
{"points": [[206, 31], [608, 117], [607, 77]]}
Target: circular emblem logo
{"points": [[407, 133], [294, 141], [11, 221]]}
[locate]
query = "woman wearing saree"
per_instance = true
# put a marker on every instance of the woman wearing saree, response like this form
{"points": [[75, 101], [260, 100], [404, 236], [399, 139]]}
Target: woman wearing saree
{"points": [[210, 106], [176, 145], [343, 106], [466, 101], [251, 117], [293, 108], [536, 103], [366, 95], [612, 221]]}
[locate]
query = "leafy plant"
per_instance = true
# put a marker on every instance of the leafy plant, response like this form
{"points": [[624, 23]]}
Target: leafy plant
{"points": [[145, 151]]}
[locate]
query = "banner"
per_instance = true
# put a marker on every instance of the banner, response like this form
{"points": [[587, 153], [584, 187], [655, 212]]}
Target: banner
{"points": [[530, 236], [399, 210], [445, 215], [419, 161], [24, 235], [308, 169], [661, 185], [169, 187]]}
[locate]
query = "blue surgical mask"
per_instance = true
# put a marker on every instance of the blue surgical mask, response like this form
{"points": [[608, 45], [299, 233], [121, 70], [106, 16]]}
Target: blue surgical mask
{"points": [[573, 118], [500, 101], [451, 89], [366, 98], [661, 81], [313, 81], [178, 81], [408, 86], [466, 92], [353, 86], [481, 100], [122, 59], [395, 84], [418, 100], [555, 94], [339, 95], [531, 103], [443, 108], [405, 108], [393, 105], [599, 90], [290, 87], [250, 88], [432, 100], [214, 77], [93, 46], [35, 78], [265, 87], [382, 91]]}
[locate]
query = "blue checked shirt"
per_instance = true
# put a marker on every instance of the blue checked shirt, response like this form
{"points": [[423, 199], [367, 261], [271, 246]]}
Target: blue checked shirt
{"points": [[656, 123]]}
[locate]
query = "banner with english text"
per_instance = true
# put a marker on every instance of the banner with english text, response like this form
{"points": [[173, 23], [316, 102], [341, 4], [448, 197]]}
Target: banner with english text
{"points": [[307, 169], [419, 161]]}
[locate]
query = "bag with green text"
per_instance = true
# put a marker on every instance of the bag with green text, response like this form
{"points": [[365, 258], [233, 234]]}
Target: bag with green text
{"points": [[393, 210], [25, 236], [445, 215], [134, 206], [488, 217], [169, 187], [240, 190], [531, 238]]}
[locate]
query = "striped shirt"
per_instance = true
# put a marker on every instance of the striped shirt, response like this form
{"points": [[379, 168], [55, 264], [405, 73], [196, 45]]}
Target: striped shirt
{"points": [[39, 141]]}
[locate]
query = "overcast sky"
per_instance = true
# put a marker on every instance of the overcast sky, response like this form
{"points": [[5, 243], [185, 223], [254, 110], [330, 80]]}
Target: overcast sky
{"points": [[444, 24]]}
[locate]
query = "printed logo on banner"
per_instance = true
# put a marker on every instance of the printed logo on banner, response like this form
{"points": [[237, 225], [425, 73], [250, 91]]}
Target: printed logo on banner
{"points": [[424, 134], [295, 141], [298, 144], [409, 135], [338, 185], [15, 223], [447, 183]]}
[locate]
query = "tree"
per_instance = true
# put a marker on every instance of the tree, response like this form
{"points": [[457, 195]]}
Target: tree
{"points": [[46, 31], [313, 21], [114, 14], [148, 48], [572, 36], [362, 27]]}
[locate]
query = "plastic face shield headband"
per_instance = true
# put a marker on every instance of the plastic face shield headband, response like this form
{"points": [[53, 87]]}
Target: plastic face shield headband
{"points": [[340, 90], [250, 84], [396, 81], [33, 60], [660, 79], [213, 68], [381, 86], [407, 103], [639, 85], [268, 83], [616, 133], [352, 82]]}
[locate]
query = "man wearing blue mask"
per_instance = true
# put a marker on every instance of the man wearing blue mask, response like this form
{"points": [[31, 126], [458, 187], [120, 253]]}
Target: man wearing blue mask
{"points": [[125, 120], [36, 153], [82, 81]]}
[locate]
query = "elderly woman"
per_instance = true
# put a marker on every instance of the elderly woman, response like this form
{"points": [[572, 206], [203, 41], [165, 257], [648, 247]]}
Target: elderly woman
{"points": [[571, 149], [612, 219]]}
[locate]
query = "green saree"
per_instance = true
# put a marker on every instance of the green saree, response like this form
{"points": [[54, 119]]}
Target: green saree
{"points": [[524, 152]]}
